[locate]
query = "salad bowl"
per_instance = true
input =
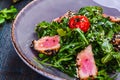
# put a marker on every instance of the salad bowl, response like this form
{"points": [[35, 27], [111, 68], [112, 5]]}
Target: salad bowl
{"points": [[23, 29]]}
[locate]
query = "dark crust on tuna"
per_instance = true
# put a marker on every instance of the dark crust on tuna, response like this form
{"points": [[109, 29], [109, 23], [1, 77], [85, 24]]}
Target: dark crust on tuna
{"points": [[112, 18], [46, 51], [68, 14], [33, 43], [51, 51], [116, 41], [90, 77]]}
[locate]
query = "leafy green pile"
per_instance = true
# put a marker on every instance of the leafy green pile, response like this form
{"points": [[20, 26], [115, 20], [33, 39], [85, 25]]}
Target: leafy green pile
{"points": [[73, 41], [7, 14]]}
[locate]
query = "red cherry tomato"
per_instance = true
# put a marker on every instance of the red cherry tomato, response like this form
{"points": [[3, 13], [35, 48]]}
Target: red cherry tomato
{"points": [[79, 21]]}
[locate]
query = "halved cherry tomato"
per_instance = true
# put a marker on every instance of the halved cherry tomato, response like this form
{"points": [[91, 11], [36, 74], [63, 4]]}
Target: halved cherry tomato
{"points": [[79, 21]]}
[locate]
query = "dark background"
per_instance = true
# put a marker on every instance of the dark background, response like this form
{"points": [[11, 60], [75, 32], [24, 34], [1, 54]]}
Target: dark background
{"points": [[11, 66]]}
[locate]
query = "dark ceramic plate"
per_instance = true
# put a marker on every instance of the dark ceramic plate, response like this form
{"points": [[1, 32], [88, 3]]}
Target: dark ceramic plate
{"points": [[39, 10]]}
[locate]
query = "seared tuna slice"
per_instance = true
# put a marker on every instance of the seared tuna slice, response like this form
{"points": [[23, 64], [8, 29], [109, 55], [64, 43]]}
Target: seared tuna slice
{"points": [[86, 64], [112, 18], [68, 14], [47, 45]]}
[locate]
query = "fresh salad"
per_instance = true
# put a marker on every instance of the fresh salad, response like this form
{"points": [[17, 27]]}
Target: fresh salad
{"points": [[83, 44]]}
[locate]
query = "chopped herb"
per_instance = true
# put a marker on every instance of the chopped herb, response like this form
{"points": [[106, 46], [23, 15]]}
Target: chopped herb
{"points": [[7, 14]]}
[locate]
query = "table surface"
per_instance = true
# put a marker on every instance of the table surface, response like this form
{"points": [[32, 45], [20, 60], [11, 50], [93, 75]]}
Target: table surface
{"points": [[11, 66]]}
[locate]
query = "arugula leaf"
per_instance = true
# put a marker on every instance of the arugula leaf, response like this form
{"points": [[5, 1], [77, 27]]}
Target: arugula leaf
{"points": [[102, 75], [2, 20], [116, 55], [61, 32], [91, 12]]}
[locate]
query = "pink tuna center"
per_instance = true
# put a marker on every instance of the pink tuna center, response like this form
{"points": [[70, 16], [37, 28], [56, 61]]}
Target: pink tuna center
{"points": [[86, 65], [50, 42]]}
